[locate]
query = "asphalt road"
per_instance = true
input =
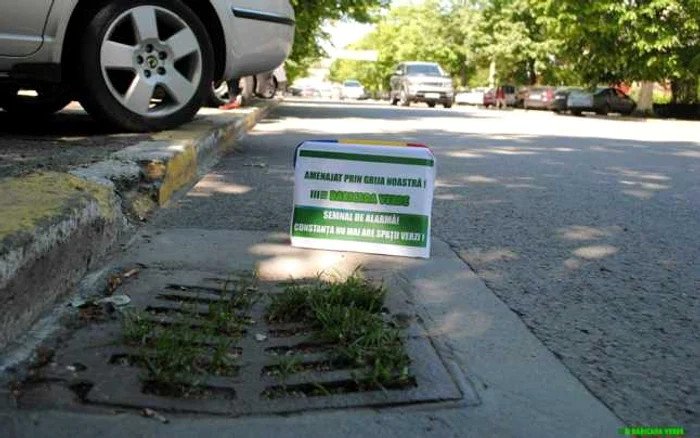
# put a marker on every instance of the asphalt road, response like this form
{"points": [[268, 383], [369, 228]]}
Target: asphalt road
{"points": [[587, 228]]}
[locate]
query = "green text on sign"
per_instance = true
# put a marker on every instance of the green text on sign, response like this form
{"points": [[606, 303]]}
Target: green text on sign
{"points": [[360, 226]]}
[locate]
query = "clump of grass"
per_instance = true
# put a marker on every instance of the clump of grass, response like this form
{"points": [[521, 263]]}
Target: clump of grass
{"points": [[228, 315], [347, 314], [300, 302], [292, 305], [286, 366], [178, 355], [175, 357], [136, 328]]}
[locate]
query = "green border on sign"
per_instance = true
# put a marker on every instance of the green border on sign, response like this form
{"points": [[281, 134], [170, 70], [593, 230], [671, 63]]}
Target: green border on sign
{"points": [[367, 158]]}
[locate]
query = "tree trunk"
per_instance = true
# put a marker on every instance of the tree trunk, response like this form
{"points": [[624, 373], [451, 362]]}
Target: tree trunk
{"points": [[645, 105], [492, 73], [532, 73]]}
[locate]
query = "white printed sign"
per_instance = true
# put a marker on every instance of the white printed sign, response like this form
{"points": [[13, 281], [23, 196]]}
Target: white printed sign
{"points": [[373, 197]]}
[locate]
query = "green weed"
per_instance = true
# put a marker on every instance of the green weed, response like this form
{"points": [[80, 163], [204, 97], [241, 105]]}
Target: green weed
{"points": [[286, 366], [347, 314]]}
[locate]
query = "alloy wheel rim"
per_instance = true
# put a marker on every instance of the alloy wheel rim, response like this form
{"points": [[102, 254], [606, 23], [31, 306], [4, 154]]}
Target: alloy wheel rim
{"points": [[151, 61]]}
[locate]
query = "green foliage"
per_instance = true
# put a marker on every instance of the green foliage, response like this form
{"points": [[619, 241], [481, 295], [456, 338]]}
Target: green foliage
{"points": [[539, 41], [311, 15]]}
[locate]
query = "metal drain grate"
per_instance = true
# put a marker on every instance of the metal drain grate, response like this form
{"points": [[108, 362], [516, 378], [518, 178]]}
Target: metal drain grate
{"points": [[112, 373]]}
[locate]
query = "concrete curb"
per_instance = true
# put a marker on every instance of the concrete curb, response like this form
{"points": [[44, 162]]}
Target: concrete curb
{"points": [[56, 227], [148, 174]]}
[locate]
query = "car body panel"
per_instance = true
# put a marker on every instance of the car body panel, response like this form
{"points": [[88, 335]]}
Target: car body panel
{"points": [[539, 97], [489, 97], [559, 103], [580, 101], [254, 45], [603, 100], [509, 93], [471, 97], [22, 26], [352, 90]]}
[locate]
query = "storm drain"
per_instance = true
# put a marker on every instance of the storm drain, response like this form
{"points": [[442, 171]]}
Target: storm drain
{"points": [[250, 366]]}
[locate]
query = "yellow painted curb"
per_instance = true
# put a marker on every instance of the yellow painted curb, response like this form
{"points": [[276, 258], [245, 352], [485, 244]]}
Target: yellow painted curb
{"points": [[180, 171]]}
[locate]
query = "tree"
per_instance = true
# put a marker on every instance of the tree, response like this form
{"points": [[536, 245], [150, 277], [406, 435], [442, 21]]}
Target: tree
{"points": [[310, 17], [545, 41], [612, 41]]}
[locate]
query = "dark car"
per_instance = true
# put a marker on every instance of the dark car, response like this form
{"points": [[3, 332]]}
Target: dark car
{"points": [[539, 98], [602, 101], [560, 97], [421, 82]]}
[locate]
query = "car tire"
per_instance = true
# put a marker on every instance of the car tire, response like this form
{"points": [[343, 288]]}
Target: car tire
{"points": [[131, 78], [403, 99], [576, 113], [604, 110], [218, 95], [270, 90], [49, 100], [431, 104], [447, 105]]}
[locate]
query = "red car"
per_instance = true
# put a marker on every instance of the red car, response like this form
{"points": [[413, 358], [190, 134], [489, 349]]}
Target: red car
{"points": [[540, 98], [508, 92], [490, 98]]}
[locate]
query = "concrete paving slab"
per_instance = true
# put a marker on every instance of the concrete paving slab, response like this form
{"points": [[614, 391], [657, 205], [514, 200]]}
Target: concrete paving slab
{"points": [[524, 391]]}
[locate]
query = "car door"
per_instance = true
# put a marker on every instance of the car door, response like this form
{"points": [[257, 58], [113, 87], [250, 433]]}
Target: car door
{"points": [[602, 99], [22, 26], [623, 103]]}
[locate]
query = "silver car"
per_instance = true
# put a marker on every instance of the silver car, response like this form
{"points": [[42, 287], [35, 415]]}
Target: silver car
{"points": [[141, 65], [421, 82]]}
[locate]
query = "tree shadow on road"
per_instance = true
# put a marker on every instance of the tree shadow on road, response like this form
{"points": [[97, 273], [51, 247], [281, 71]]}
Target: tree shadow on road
{"points": [[572, 232]]}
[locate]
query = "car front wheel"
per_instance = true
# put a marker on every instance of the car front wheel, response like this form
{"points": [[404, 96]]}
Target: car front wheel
{"points": [[403, 99], [146, 65]]}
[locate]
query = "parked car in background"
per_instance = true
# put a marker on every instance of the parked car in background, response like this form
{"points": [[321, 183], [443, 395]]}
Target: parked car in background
{"points": [[141, 66], [265, 86], [511, 94], [601, 101], [539, 98], [421, 82], [489, 98], [475, 96], [352, 89], [520, 96], [337, 92], [561, 95]]}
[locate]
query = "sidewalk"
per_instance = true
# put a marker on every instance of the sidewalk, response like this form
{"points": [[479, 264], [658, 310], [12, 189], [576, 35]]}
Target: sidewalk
{"points": [[57, 225], [513, 386]]}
